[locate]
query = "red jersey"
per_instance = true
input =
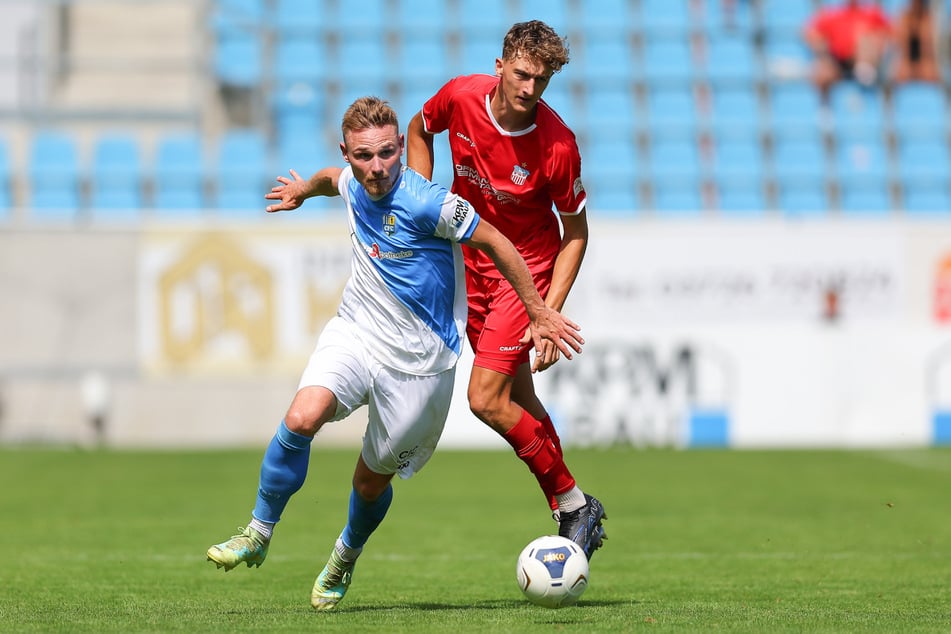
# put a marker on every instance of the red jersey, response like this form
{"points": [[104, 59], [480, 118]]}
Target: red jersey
{"points": [[842, 26], [515, 180]]}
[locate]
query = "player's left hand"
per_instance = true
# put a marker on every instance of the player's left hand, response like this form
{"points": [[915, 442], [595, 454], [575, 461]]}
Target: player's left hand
{"points": [[553, 335]]}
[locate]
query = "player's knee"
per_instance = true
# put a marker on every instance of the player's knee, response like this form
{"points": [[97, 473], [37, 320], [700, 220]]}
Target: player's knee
{"points": [[302, 422]]}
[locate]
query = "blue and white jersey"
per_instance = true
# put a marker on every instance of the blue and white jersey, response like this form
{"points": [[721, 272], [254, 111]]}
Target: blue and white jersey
{"points": [[407, 292]]}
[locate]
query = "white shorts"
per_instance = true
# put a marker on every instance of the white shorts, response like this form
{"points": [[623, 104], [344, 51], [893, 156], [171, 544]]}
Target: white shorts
{"points": [[407, 412]]}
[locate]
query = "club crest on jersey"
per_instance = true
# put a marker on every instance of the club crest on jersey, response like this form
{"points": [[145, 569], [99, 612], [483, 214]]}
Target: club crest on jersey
{"points": [[389, 224], [519, 175]]}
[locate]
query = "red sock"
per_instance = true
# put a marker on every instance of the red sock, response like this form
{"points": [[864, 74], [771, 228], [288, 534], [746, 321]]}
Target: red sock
{"points": [[534, 446], [550, 428]]}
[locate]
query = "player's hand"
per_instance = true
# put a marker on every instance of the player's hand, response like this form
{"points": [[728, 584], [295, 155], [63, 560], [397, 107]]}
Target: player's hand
{"points": [[289, 192], [553, 335]]}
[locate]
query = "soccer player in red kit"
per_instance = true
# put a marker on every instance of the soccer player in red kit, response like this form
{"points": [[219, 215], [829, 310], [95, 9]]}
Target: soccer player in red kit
{"points": [[517, 163]]}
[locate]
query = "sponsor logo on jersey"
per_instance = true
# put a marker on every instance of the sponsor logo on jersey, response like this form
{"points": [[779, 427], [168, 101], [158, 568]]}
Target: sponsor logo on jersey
{"points": [[466, 139], [462, 211], [374, 252], [509, 348], [519, 174], [389, 224], [483, 184]]}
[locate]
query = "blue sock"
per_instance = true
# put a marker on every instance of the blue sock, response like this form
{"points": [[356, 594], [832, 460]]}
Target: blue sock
{"points": [[283, 471], [364, 517]]}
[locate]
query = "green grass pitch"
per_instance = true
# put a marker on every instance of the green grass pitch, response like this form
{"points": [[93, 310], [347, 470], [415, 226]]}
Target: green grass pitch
{"points": [[743, 541]]}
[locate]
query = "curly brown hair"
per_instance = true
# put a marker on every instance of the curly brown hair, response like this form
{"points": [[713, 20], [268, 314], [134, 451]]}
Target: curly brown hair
{"points": [[537, 41]]}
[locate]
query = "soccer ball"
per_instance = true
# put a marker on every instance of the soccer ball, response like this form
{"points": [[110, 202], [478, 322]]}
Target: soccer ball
{"points": [[552, 571]]}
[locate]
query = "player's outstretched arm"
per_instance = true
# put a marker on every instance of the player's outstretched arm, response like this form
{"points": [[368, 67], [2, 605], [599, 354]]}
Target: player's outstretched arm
{"points": [[292, 192], [551, 331]]}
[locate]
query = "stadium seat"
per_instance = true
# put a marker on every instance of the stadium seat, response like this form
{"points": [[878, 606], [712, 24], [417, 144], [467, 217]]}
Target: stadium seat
{"points": [[864, 198], [610, 106], [863, 160], [424, 61], [924, 167], [607, 19], [736, 111], [667, 61], [484, 19], [422, 19], [676, 199], [856, 112], [301, 18], [675, 175], [740, 198], [785, 18], [552, 12], [179, 173], [919, 110], [116, 180], [786, 58], [739, 19], [732, 61], [238, 59], [241, 171], [364, 58], [607, 61], [665, 17], [738, 158], [927, 201], [368, 18], [298, 108], [799, 198], [795, 108], [672, 111], [477, 53], [54, 175], [301, 58], [612, 170], [228, 17]]}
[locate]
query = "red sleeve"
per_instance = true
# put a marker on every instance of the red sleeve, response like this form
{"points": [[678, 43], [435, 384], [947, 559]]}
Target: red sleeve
{"points": [[566, 189], [438, 109]]}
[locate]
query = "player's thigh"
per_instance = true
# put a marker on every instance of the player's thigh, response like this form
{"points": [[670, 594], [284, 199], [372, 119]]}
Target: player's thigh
{"points": [[341, 365], [407, 414]]}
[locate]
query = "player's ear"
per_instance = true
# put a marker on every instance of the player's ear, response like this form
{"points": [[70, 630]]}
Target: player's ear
{"points": [[498, 66], [343, 151]]}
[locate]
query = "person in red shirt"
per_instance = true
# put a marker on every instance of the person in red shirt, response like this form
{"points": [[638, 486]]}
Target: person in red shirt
{"points": [[849, 42], [517, 163]]}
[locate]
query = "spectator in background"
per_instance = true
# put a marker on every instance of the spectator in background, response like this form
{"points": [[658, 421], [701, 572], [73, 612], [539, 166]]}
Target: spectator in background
{"points": [[849, 42], [916, 57]]}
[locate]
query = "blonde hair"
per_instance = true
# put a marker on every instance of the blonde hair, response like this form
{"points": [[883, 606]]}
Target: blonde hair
{"points": [[536, 41], [366, 113]]}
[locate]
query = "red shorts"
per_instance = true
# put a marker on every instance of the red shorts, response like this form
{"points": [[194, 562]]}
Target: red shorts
{"points": [[497, 321]]}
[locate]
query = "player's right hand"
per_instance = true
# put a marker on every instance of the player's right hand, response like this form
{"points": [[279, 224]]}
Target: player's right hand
{"points": [[289, 192]]}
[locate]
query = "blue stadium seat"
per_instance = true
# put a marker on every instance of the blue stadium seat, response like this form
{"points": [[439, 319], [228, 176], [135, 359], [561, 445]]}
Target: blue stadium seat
{"points": [[610, 106], [856, 112], [54, 175], [919, 110], [667, 61], [672, 111], [367, 18], [927, 201], [301, 58], [117, 179], [484, 19], [665, 17], [302, 17], [607, 19], [786, 58], [555, 13], [785, 17], [612, 171], [741, 198], [736, 111], [424, 61], [179, 174], [477, 53], [864, 198], [422, 18], [738, 158], [607, 61], [306, 156], [238, 59], [924, 167], [795, 108], [365, 58], [739, 19], [863, 159], [298, 108], [800, 156], [241, 171], [732, 61], [801, 199], [675, 175], [236, 16]]}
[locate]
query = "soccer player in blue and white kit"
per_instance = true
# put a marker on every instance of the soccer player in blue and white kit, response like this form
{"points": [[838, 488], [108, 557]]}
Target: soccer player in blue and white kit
{"points": [[394, 342]]}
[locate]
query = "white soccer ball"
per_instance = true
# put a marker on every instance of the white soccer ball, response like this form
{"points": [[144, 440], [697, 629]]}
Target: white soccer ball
{"points": [[552, 571]]}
